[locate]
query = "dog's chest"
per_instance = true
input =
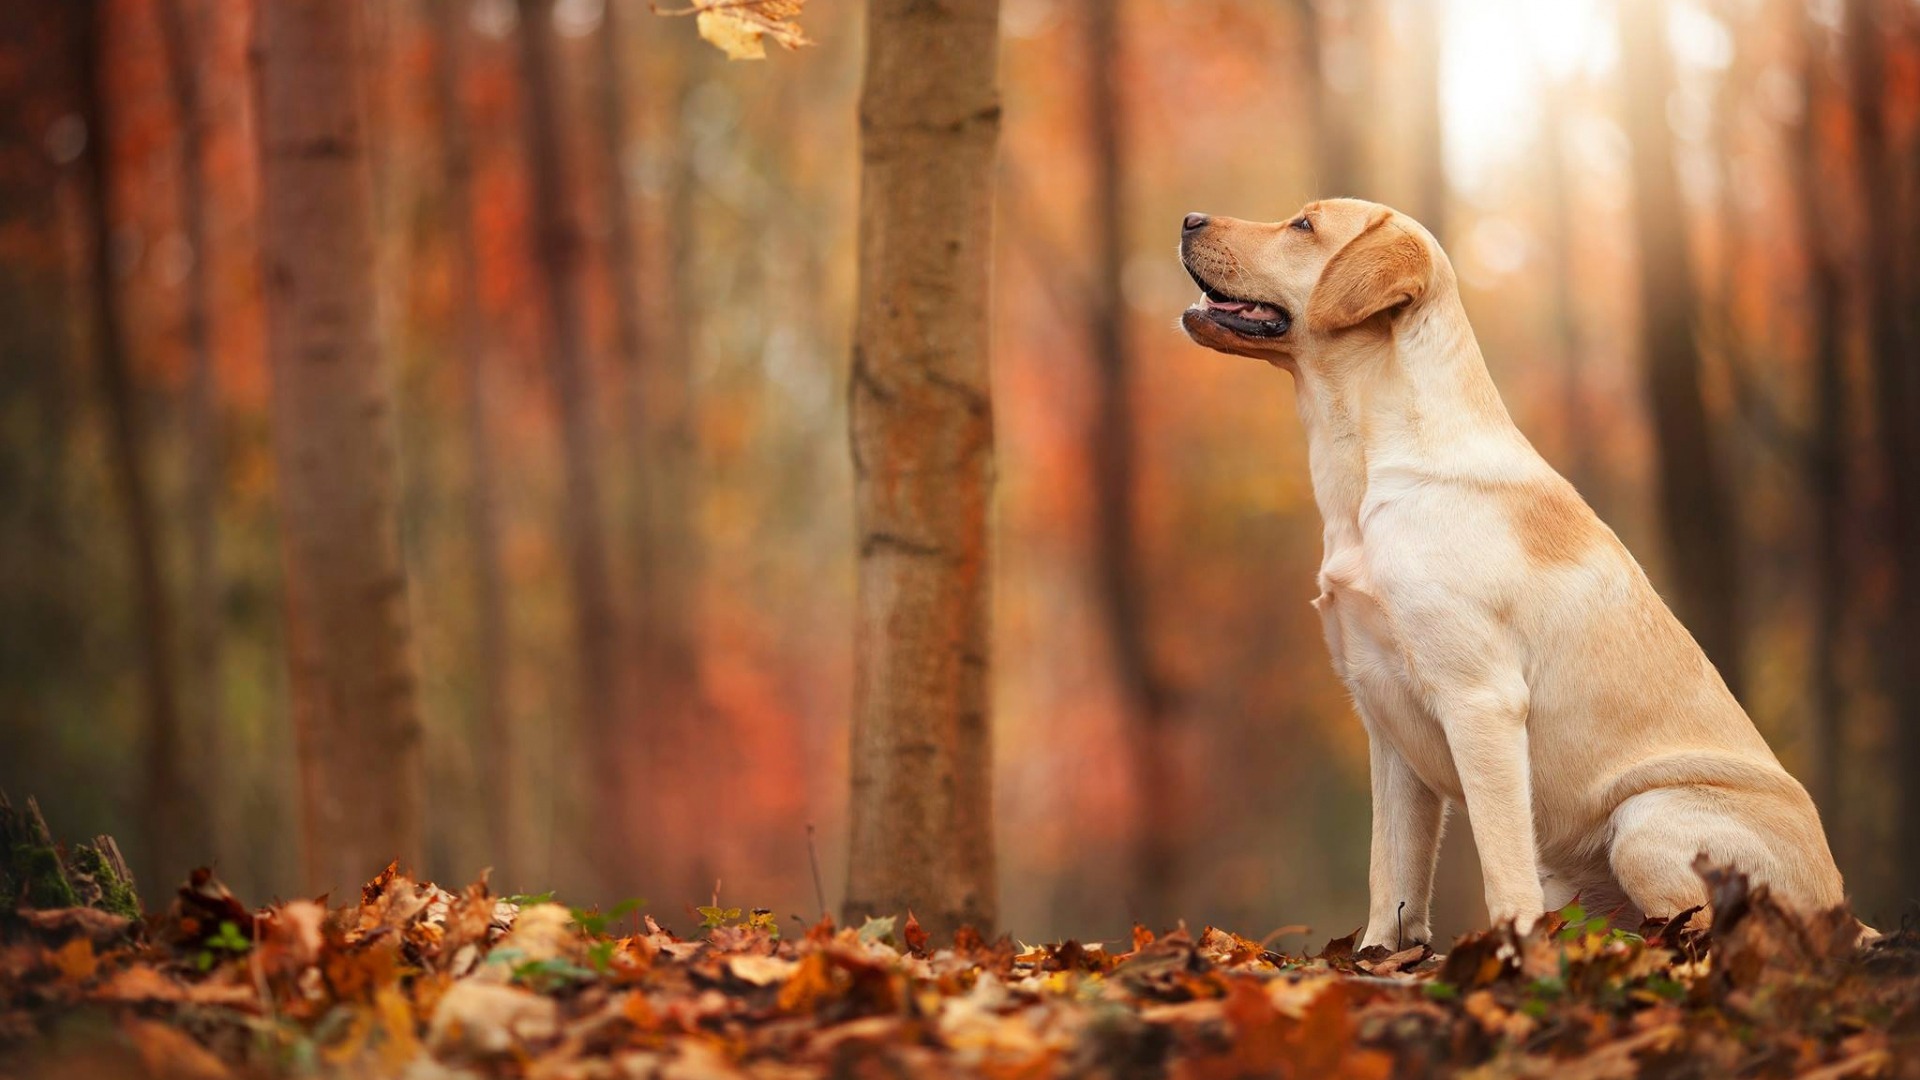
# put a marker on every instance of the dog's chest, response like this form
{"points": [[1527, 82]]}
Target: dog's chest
{"points": [[1372, 663]]}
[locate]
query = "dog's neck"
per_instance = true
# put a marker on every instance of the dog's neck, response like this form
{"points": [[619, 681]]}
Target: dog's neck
{"points": [[1413, 399]]}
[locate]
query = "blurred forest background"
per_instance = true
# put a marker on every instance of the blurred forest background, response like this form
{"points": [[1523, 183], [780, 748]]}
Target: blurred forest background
{"points": [[617, 278]]}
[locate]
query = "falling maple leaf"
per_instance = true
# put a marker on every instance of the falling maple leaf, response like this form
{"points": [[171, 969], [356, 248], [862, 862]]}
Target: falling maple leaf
{"points": [[740, 28]]}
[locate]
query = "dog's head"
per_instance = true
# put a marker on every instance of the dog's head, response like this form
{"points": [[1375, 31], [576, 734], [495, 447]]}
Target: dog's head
{"points": [[1349, 267]]}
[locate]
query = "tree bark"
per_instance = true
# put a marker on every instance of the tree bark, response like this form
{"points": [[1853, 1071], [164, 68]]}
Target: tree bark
{"points": [[1332, 87], [356, 719], [921, 420], [665, 539], [557, 246], [168, 808], [492, 662], [1896, 375], [202, 422], [622, 255], [1695, 504], [1110, 452], [1825, 455], [1429, 150], [1576, 429]]}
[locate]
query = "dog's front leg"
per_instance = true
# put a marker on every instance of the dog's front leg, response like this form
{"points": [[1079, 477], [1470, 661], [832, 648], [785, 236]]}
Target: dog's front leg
{"points": [[1486, 728], [1407, 818]]}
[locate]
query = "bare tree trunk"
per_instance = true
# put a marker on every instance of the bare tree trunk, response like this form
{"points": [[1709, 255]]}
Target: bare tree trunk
{"points": [[1825, 458], [355, 714], [1429, 152], [596, 624], [622, 254], [202, 422], [1896, 374], [499, 748], [921, 420], [169, 815], [1110, 451], [1695, 503], [663, 454], [1576, 430], [656, 460], [1333, 72]]}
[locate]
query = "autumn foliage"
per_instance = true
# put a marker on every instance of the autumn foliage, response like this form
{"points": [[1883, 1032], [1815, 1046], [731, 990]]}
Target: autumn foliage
{"points": [[409, 979]]}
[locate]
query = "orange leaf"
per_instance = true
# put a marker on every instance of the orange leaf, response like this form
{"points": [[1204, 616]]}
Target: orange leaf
{"points": [[916, 936]]}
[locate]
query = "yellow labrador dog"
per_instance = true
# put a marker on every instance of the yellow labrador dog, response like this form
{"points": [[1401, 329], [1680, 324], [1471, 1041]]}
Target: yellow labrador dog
{"points": [[1502, 647]]}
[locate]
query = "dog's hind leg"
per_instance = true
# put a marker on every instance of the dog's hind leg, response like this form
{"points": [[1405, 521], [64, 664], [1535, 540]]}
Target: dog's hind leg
{"points": [[1657, 834]]}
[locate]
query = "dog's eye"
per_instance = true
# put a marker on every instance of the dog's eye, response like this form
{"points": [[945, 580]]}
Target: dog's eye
{"points": [[1303, 223]]}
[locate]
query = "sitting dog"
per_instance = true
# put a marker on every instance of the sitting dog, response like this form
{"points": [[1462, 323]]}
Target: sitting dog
{"points": [[1502, 647]]}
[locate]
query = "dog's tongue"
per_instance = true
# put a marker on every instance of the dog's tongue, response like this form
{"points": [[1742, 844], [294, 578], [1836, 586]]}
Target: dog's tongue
{"points": [[1244, 307]]}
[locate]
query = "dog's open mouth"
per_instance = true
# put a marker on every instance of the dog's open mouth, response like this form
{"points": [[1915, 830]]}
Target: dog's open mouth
{"points": [[1248, 318]]}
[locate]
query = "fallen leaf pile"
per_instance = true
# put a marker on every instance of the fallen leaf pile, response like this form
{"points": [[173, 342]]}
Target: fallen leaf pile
{"points": [[415, 981]]}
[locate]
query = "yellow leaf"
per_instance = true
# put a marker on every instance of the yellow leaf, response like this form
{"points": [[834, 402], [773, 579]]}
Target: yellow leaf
{"points": [[76, 961], [738, 39], [740, 28]]}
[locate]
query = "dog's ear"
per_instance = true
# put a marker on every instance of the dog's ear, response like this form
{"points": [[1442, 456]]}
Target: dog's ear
{"points": [[1385, 266]]}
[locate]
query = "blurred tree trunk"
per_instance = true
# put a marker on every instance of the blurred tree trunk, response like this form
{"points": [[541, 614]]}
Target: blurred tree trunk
{"points": [[174, 831], [1576, 431], [663, 538], [557, 246], [1896, 375], [1429, 151], [1334, 72], [1110, 450], [356, 717], [499, 750], [45, 609], [921, 422], [1825, 454], [1695, 504], [656, 457], [622, 256], [202, 420]]}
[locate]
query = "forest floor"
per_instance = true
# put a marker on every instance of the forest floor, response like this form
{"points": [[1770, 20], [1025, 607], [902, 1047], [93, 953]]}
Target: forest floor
{"points": [[413, 981]]}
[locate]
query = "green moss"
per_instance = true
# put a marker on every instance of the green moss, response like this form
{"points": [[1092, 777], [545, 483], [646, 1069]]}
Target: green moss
{"points": [[38, 869], [116, 893]]}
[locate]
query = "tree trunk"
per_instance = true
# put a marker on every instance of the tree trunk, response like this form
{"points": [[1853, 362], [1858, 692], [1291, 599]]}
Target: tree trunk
{"points": [[499, 751], [168, 811], [1576, 430], [921, 420], [1429, 150], [1896, 374], [663, 649], [1333, 71], [622, 255], [1825, 457], [663, 456], [1695, 505], [356, 719], [557, 246], [1110, 452], [203, 423]]}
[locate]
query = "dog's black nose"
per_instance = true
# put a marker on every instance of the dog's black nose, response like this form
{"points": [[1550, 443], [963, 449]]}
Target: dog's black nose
{"points": [[1193, 222]]}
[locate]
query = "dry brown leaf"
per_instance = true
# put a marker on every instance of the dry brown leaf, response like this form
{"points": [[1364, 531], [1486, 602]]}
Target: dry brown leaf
{"points": [[762, 970], [142, 984], [99, 926], [483, 1018], [75, 961], [741, 28], [172, 1054]]}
